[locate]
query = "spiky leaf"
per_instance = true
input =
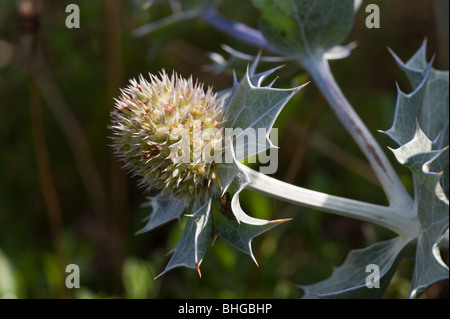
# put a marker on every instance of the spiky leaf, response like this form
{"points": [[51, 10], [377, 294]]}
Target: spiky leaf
{"points": [[421, 129], [252, 111], [233, 224], [196, 238], [350, 279], [432, 209]]}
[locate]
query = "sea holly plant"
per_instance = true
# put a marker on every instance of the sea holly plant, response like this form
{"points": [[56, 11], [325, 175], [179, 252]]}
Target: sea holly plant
{"points": [[187, 144]]}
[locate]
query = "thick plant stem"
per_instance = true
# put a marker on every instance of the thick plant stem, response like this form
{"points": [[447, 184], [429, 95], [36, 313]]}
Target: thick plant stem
{"points": [[237, 30], [397, 219], [318, 67]]}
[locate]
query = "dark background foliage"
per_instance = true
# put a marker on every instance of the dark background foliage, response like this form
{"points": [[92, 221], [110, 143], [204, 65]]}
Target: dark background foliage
{"points": [[65, 200]]}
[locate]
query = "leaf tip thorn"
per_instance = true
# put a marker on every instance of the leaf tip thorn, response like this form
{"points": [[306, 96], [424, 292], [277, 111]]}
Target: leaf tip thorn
{"points": [[280, 221]]}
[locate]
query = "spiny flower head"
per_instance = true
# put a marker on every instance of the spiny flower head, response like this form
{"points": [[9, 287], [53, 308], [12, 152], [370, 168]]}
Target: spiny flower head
{"points": [[159, 132]]}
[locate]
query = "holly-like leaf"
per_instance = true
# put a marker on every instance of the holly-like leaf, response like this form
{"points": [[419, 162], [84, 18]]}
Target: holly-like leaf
{"points": [[407, 109], [252, 111], [432, 208], [357, 277], [430, 88], [416, 68], [164, 209], [427, 104], [304, 27], [195, 240], [255, 78], [233, 224], [421, 129]]}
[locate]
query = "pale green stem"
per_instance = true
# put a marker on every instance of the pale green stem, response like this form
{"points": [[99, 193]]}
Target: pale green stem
{"points": [[397, 219], [319, 69]]}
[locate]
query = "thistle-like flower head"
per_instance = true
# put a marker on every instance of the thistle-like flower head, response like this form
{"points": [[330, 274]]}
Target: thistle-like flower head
{"points": [[159, 131]]}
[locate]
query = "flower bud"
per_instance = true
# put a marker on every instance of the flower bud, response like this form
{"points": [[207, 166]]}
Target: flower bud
{"points": [[158, 130]]}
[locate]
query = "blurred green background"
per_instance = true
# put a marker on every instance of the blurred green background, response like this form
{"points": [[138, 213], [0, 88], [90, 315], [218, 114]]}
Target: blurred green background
{"points": [[65, 200]]}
